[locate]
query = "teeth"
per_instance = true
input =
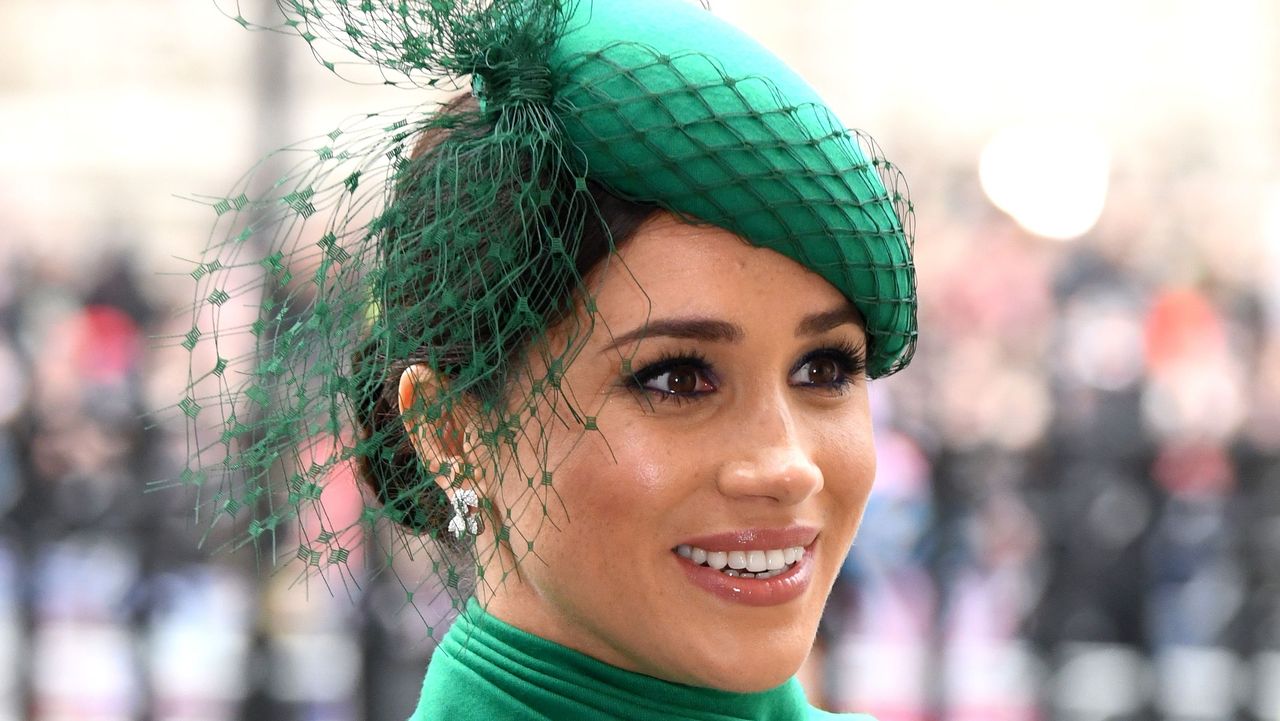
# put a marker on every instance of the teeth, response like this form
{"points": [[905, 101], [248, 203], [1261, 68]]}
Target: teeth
{"points": [[744, 564]]}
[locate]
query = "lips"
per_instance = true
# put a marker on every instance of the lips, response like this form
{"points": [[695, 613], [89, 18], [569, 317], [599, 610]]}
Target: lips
{"points": [[753, 539], [783, 557]]}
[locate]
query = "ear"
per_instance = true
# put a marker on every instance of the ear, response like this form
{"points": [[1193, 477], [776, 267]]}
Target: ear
{"points": [[438, 434]]}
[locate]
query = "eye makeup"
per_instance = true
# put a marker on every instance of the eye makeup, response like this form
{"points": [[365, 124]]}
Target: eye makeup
{"points": [[676, 370], [849, 360], [687, 375]]}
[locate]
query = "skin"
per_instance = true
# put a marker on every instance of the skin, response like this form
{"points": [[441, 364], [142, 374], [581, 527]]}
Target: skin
{"points": [[760, 447]]}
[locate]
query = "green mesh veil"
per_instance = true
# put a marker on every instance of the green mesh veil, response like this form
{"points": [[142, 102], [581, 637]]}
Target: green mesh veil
{"points": [[449, 235]]}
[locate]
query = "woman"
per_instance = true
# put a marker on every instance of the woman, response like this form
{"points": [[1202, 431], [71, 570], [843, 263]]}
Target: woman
{"points": [[610, 325]]}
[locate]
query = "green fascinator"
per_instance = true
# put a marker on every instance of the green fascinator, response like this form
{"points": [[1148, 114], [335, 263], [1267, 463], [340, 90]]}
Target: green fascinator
{"points": [[451, 236]]}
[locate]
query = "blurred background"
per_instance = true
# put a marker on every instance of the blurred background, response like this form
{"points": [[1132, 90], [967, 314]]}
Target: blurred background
{"points": [[1078, 507]]}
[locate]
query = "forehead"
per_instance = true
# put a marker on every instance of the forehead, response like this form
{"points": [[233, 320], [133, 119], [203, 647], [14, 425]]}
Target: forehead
{"points": [[669, 267]]}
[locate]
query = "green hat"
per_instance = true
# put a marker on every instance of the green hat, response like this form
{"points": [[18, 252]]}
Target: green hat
{"points": [[450, 236], [670, 105]]}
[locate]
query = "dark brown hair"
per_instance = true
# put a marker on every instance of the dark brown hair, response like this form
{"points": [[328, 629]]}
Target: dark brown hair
{"points": [[392, 469]]}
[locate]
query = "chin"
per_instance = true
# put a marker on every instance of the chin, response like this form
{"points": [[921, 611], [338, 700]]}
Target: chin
{"points": [[751, 674], [747, 664]]}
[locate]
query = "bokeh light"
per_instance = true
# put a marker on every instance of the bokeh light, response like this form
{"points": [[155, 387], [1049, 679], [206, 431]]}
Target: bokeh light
{"points": [[1052, 179]]}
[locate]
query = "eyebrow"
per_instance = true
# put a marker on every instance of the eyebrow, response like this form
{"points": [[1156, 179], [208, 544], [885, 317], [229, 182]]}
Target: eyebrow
{"points": [[722, 331], [816, 323]]}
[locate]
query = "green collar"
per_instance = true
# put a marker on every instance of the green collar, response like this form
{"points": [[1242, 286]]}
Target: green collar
{"points": [[487, 669]]}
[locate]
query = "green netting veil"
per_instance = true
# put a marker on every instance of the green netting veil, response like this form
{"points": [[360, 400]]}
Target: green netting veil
{"points": [[452, 236]]}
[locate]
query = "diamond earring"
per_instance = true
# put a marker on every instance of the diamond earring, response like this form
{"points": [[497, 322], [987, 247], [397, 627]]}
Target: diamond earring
{"points": [[465, 520]]}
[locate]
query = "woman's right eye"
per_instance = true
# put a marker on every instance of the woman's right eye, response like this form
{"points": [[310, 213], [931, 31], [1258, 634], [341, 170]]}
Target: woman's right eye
{"points": [[679, 377], [682, 381]]}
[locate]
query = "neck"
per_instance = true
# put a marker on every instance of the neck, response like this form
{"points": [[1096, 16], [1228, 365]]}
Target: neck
{"points": [[487, 668], [518, 604]]}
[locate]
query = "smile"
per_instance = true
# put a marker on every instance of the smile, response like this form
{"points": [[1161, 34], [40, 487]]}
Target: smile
{"points": [[758, 564], [751, 566]]}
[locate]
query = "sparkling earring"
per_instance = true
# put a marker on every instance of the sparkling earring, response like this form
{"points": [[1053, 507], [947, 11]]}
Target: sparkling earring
{"points": [[465, 519]]}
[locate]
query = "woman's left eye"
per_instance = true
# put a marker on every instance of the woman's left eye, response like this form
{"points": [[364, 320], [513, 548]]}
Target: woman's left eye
{"points": [[828, 368]]}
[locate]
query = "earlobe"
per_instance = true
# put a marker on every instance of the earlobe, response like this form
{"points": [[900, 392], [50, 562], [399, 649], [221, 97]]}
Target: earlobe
{"points": [[438, 434]]}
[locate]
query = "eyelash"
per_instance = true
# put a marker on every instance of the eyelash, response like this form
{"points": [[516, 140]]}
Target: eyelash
{"points": [[850, 359], [667, 362]]}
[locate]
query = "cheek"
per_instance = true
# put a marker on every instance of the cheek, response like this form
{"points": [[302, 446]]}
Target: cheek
{"points": [[611, 489], [625, 479], [848, 462]]}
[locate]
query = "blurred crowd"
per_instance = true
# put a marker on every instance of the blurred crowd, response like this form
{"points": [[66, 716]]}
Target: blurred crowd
{"points": [[1077, 512], [113, 604]]}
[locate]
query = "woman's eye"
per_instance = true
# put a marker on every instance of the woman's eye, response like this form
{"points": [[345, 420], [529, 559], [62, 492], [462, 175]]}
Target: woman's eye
{"points": [[681, 380], [831, 368], [679, 377], [689, 376], [819, 372]]}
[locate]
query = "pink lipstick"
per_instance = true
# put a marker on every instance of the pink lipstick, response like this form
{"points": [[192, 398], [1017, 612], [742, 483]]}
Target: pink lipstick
{"points": [[754, 567]]}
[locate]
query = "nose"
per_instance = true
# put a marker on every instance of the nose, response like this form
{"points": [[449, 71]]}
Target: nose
{"points": [[770, 460]]}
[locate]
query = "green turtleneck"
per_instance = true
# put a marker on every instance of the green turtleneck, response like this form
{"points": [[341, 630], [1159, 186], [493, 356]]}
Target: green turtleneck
{"points": [[487, 669]]}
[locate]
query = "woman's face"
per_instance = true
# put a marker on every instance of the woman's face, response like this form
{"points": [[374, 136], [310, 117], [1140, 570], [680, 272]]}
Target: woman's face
{"points": [[741, 433]]}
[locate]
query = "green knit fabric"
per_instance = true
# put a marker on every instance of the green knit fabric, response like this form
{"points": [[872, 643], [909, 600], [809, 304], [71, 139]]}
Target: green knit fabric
{"points": [[670, 105], [486, 669]]}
